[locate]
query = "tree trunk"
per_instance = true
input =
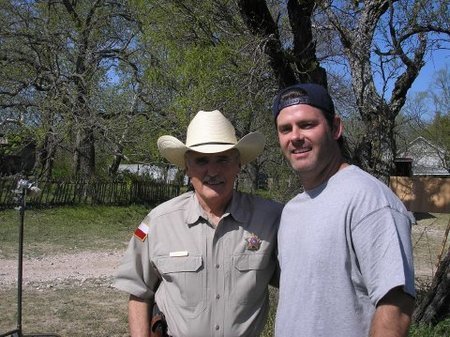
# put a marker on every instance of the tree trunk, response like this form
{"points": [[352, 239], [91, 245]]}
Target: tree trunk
{"points": [[84, 155], [435, 306], [307, 66], [259, 21], [46, 155], [117, 160], [375, 153]]}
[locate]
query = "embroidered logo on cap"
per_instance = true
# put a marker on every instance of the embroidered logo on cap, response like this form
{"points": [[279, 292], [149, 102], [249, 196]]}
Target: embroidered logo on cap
{"points": [[253, 242], [141, 232]]}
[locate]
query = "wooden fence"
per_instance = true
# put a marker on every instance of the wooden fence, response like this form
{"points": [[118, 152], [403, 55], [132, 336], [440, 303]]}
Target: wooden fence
{"points": [[58, 193], [423, 194]]}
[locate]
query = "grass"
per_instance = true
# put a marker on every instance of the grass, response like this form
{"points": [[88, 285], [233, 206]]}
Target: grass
{"points": [[92, 307], [69, 311], [68, 229]]}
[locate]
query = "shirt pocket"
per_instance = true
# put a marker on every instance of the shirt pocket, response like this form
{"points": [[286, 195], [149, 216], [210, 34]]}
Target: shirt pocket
{"points": [[184, 280], [251, 275]]}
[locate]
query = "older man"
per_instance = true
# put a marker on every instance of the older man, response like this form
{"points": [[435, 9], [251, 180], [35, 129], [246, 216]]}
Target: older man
{"points": [[207, 256]]}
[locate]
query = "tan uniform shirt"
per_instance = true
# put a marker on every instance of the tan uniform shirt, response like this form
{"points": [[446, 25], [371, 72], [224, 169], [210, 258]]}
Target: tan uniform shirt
{"points": [[214, 281]]}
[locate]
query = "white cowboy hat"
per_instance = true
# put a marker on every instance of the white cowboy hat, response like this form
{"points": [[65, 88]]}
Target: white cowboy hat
{"points": [[211, 132]]}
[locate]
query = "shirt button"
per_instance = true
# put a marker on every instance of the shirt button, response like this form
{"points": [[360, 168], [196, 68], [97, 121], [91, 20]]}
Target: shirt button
{"points": [[217, 296], [217, 327], [217, 266]]}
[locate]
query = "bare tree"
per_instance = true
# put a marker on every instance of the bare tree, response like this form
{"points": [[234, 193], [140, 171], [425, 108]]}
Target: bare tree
{"points": [[298, 64], [427, 114]]}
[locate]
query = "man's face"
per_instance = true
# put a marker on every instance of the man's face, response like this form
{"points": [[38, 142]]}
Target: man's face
{"points": [[212, 175], [308, 142]]}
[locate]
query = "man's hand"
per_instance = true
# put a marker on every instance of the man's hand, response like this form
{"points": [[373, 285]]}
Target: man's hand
{"points": [[393, 315], [139, 317]]}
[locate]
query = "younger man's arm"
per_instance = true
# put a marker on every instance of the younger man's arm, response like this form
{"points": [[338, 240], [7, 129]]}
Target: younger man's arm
{"points": [[392, 317]]}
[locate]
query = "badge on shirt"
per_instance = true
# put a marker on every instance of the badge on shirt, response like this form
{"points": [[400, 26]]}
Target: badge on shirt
{"points": [[179, 253], [253, 242], [141, 232]]}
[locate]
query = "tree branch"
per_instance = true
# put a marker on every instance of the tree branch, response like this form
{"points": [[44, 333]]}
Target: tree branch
{"points": [[259, 21]]}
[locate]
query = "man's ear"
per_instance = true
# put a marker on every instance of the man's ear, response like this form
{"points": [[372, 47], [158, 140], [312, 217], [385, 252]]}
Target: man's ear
{"points": [[186, 169], [338, 127]]}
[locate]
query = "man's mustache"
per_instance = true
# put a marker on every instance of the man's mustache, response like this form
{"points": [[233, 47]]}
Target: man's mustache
{"points": [[212, 180]]}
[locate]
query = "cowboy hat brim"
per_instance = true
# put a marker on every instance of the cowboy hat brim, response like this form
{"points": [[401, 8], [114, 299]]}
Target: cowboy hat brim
{"points": [[250, 146]]}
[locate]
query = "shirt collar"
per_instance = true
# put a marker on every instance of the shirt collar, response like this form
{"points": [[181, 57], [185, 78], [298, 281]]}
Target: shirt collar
{"points": [[236, 208], [194, 211]]}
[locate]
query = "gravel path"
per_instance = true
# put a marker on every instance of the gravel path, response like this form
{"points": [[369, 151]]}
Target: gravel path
{"points": [[78, 266]]}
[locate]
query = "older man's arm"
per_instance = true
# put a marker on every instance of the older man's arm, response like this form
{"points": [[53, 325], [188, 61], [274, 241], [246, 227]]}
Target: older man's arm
{"points": [[392, 317], [139, 316]]}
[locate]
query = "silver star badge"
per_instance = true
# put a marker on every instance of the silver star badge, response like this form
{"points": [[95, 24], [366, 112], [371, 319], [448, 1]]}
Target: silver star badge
{"points": [[253, 242]]}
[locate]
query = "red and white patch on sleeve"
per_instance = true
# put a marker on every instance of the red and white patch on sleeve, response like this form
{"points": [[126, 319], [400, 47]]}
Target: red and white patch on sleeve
{"points": [[141, 232]]}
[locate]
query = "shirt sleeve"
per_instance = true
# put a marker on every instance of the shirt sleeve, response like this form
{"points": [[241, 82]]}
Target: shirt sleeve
{"points": [[382, 243], [136, 274]]}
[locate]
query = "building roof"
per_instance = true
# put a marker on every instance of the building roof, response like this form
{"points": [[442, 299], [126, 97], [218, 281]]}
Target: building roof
{"points": [[427, 158]]}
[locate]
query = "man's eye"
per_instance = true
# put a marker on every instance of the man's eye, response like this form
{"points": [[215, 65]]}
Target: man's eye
{"points": [[201, 161], [307, 125], [284, 130]]}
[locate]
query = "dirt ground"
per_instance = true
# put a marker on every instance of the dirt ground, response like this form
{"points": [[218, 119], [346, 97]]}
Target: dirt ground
{"points": [[52, 270], [429, 244], [82, 282]]}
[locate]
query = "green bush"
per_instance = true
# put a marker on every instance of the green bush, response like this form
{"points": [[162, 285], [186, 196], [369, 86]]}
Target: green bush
{"points": [[442, 329]]}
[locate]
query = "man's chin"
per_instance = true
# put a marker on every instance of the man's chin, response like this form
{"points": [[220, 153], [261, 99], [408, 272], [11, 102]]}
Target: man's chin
{"points": [[300, 167]]}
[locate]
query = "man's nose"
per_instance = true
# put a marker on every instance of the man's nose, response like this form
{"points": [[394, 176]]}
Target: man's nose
{"points": [[297, 135], [213, 168]]}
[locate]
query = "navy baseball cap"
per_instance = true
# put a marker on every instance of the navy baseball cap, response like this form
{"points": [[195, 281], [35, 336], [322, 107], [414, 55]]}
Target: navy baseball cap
{"points": [[314, 95]]}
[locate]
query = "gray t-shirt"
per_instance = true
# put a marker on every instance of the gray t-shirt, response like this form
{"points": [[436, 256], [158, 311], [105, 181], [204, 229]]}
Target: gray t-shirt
{"points": [[342, 247]]}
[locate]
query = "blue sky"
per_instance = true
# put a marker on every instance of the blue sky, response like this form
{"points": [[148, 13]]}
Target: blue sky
{"points": [[437, 61]]}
